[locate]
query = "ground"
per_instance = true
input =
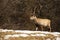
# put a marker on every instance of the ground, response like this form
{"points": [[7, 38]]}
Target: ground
{"points": [[28, 35]]}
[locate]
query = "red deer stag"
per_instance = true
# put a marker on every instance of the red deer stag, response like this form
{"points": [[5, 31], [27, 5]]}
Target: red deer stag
{"points": [[42, 22]]}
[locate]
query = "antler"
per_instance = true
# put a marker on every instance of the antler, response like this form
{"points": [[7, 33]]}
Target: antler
{"points": [[34, 11]]}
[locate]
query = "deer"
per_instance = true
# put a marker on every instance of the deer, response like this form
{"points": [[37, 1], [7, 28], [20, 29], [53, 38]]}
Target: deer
{"points": [[42, 22]]}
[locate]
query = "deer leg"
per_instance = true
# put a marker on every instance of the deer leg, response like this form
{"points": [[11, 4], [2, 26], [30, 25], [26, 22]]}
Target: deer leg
{"points": [[50, 29], [36, 28], [42, 28]]}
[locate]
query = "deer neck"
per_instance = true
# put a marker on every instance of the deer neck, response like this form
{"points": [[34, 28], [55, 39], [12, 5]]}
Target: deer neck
{"points": [[35, 19]]}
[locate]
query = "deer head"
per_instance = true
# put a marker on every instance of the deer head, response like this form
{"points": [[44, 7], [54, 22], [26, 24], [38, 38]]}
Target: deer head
{"points": [[33, 17]]}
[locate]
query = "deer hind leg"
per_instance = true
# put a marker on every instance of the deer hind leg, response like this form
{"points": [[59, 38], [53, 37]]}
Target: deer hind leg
{"points": [[50, 27]]}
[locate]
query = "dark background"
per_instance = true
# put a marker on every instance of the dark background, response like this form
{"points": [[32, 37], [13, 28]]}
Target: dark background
{"points": [[14, 14]]}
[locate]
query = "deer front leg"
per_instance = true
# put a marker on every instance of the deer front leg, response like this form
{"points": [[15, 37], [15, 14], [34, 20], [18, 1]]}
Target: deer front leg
{"points": [[42, 28], [36, 28]]}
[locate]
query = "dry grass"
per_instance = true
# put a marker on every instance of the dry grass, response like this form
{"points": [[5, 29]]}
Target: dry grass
{"points": [[26, 38]]}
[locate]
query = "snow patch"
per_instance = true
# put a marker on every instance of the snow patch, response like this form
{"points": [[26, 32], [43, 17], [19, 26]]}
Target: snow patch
{"points": [[57, 38], [7, 36], [40, 35], [6, 30], [15, 35]]}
